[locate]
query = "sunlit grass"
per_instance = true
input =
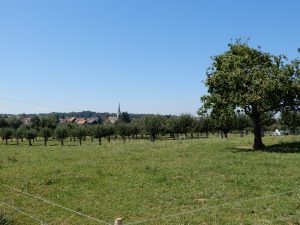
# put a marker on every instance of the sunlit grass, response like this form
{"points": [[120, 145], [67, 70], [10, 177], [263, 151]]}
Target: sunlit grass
{"points": [[142, 180]]}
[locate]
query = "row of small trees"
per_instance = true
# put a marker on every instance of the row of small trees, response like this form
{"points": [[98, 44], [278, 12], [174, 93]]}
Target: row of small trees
{"points": [[152, 126]]}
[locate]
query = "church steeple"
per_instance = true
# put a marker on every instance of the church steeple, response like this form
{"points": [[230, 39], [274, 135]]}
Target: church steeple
{"points": [[119, 111]]}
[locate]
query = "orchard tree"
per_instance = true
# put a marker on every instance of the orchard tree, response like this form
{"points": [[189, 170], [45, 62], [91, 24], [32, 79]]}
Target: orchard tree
{"points": [[124, 117], [49, 121], [30, 134], [290, 120], [224, 120], [252, 80], [35, 122], [241, 122], [173, 126], [19, 134], [122, 130], [6, 133], [3, 122], [154, 125], [185, 123], [61, 133], [109, 131], [14, 122], [45, 133], [81, 133], [99, 133]]}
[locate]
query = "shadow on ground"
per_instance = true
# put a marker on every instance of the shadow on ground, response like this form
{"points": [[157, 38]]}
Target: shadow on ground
{"points": [[291, 147]]}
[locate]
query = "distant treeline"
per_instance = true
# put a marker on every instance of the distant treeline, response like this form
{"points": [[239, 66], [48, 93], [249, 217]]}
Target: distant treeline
{"points": [[83, 114], [151, 127]]}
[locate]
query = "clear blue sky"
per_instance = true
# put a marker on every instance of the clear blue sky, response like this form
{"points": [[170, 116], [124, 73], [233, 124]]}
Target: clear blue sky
{"points": [[149, 55]]}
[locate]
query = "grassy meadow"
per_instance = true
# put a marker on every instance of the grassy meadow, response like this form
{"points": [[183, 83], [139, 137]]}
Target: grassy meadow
{"points": [[219, 181]]}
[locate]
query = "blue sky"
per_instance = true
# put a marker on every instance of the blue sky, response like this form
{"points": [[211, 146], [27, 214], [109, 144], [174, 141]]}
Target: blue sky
{"points": [[149, 55]]}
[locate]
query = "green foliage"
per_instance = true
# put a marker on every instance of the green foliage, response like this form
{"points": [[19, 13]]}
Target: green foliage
{"points": [[35, 122], [290, 120], [154, 124], [3, 122], [6, 133], [185, 123], [19, 134], [124, 117], [45, 133], [30, 134], [61, 133], [109, 130], [14, 122], [99, 133], [173, 126], [50, 121], [253, 80], [123, 130], [80, 133]]}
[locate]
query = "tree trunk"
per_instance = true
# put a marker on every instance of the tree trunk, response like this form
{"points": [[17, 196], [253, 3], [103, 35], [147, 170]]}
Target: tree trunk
{"points": [[17, 141], [62, 142], [258, 144], [45, 141], [241, 133], [30, 144], [5, 141], [80, 140], [225, 134], [99, 141]]}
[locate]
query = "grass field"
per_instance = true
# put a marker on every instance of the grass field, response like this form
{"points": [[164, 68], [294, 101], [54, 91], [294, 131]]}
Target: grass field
{"points": [[218, 181]]}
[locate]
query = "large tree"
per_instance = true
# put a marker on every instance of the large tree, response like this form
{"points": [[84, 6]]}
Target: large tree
{"points": [[252, 80]]}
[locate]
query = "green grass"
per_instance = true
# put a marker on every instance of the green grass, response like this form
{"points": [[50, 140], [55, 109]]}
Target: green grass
{"points": [[142, 180]]}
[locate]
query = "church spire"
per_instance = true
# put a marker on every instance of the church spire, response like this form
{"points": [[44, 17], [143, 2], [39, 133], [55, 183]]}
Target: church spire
{"points": [[119, 111]]}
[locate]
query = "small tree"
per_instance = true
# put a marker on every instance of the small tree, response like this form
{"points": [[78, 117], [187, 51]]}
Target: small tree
{"points": [[6, 133], [99, 133], [173, 127], [290, 120], [19, 134], [122, 130], [61, 133], [124, 118], [154, 125], [3, 122], [49, 121], [185, 123], [45, 134], [14, 122], [109, 131], [30, 134], [81, 133], [241, 122]]}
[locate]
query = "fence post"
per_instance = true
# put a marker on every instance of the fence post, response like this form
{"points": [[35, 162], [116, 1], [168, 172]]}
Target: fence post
{"points": [[119, 221]]}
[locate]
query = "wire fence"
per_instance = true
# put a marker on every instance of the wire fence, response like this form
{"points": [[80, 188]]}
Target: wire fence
{"points": [[155, 218], [54, 204], [24, 213]]}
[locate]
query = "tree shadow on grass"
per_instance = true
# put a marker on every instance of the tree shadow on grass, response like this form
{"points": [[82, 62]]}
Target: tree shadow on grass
{"points": [[290, 147]]}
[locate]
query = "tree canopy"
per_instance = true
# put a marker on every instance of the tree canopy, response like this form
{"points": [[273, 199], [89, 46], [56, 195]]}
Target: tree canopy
{"points": [[253, 80]]}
